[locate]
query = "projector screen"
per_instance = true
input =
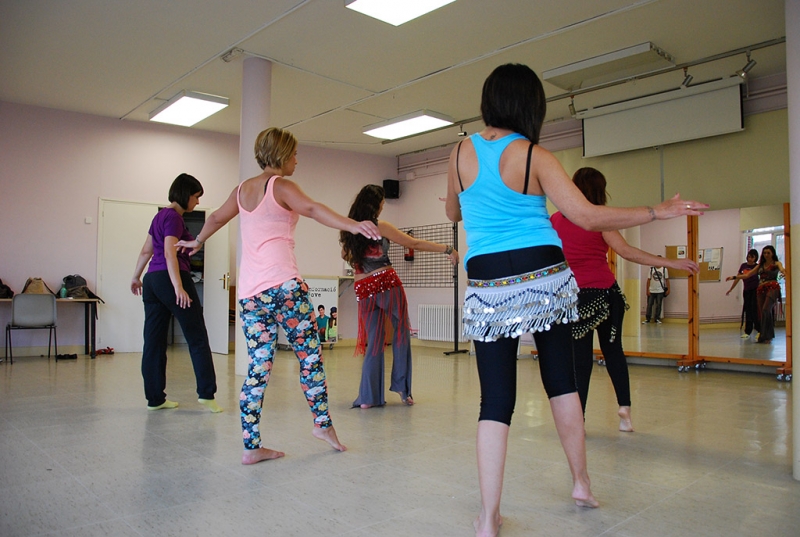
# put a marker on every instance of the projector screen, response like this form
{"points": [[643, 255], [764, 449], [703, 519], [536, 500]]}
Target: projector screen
{"points": [[685, 118]]}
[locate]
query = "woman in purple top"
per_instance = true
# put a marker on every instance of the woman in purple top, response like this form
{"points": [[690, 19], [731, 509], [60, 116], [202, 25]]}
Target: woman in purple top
{"points": [[750, 306], [167, 291]]}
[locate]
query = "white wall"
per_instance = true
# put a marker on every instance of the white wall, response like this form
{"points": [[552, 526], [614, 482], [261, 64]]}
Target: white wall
{"points": [[56, 165]]}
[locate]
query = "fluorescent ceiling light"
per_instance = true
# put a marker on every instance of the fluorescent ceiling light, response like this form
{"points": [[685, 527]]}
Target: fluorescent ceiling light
{"points": [[618, 65], [414, 123], [395, 12], [188, 108]]}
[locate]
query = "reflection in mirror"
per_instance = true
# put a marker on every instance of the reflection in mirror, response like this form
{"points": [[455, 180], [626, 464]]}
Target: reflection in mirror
{"points": [[722, 326], [671, 335]]}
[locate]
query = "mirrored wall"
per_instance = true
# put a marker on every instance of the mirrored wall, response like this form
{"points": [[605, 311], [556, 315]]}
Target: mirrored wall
{"points": [[723, 239]]}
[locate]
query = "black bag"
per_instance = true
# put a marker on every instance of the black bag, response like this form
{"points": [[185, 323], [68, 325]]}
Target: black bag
{"points": [[5, 291], [75, 287]]}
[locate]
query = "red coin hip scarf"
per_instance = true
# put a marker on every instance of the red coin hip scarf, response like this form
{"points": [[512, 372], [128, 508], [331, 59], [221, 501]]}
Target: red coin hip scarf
{"points": [[767, 286], [375, 283], [367, 291]]}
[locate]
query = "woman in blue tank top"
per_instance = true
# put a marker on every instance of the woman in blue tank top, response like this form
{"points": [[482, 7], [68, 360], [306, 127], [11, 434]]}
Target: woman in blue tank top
{"points": [[498, 181]]}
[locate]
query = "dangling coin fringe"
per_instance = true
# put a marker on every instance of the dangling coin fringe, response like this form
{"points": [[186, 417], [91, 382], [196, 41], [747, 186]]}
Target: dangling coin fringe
{"points": [[530, 302]]}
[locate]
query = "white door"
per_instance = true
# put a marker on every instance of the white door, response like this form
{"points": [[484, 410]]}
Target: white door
{"points": [[122, 231], [216, 277]]}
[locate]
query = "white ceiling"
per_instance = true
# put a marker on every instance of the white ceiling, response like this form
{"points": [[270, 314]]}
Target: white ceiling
{"points": [[336, 71]]}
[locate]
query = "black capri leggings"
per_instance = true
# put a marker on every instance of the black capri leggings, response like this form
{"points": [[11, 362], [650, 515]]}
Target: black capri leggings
{"points": [[497, 360]]}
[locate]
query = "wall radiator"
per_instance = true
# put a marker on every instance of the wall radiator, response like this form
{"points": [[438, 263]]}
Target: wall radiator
{"points": [[436, 322]]}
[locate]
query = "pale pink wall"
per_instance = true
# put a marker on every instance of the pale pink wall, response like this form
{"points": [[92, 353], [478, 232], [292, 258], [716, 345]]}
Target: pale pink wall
{"points": [[655, 237], [721, 229], [716, 229], [56, 165]]}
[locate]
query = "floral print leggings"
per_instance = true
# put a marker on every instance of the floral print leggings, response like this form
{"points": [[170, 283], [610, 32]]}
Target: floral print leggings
{"points": [[288, 305]]}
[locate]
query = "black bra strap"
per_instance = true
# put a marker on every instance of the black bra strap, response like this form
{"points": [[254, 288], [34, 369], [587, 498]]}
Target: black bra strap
{"points": [[528, 169], [458, 173]]}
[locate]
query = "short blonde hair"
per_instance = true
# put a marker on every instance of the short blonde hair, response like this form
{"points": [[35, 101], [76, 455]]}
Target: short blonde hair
{"points": [[274, 147]]}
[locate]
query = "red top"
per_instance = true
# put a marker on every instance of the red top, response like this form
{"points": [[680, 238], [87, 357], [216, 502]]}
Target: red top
{"points": [[586, 253]]}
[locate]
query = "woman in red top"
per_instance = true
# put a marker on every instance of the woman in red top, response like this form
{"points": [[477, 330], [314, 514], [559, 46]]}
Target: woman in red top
{"points": [[601, 304]]}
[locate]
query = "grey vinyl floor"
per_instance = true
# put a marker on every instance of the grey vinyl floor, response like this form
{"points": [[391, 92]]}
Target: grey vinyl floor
{"points": [[81, 456]]}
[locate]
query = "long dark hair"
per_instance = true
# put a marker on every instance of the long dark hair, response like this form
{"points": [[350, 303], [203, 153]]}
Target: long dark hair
{"points": [[366, 206], [593, 185], [513, 98], [762, 261]]}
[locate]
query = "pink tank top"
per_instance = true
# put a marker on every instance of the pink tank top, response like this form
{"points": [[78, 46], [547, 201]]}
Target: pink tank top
{"points": [[267, 245]]}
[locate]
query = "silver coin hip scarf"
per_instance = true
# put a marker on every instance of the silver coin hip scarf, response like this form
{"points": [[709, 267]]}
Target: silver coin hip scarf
{"points": [[512, 306]]}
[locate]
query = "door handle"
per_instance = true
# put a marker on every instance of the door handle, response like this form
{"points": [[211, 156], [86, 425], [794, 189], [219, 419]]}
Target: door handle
{"points": [[225, 280]]}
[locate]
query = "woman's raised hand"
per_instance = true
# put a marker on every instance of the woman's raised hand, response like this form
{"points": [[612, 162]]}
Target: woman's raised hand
{"points": [[193, 246], [368, 229], [453, 257], [675, 207], [686, 264]]}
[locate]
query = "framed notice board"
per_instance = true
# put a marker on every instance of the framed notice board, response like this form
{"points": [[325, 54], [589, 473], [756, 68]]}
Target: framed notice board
{"points": [[709, 259], [677, 252]]}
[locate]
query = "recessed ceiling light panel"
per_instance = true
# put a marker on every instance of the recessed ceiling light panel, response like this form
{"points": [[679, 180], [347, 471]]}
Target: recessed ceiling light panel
{"points": [[188, 108], [414, 123], [395, 12]]}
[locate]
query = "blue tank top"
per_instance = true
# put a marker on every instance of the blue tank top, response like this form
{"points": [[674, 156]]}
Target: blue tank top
{"points": [[497, 218]]}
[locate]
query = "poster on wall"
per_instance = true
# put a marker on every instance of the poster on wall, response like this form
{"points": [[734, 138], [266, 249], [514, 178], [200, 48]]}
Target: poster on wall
{"points": [[324, 295]]}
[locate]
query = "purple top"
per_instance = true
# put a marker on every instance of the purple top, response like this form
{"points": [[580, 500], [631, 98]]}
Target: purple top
{"points": [[168, 223], [749, 283]]}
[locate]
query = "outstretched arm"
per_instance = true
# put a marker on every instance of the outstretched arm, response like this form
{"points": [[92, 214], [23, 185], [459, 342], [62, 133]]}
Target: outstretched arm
{"points": [[735, 283], [744, 275], [618, 243], [289, 195], [403, 239], [569, 200], [213, 223]]}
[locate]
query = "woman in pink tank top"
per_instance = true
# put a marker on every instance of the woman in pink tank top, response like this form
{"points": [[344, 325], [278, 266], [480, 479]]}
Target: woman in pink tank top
{"points": [[271, 291]]}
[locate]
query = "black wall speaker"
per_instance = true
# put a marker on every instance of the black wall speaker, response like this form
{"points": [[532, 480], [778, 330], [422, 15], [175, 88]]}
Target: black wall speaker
{"points": [[391, 188]]}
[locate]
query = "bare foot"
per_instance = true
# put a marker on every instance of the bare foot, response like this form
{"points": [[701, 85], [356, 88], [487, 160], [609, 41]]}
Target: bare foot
{"points": [[329, 435], [252, 456], [489, 528], [583, 497], [625, 423], [407, 401], [367, 406]]}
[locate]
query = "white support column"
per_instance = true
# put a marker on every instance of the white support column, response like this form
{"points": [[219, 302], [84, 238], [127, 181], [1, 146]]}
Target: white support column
{"points": [[793, 95], [256, 100]]}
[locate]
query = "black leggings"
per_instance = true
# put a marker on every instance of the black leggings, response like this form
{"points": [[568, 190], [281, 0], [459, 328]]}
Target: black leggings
{"points": [[616, 364], [497, 361]]}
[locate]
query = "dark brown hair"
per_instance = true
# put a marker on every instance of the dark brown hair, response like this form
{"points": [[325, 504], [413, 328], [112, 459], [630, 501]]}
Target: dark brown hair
{"points": [[593, 185], [366, 206]]}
